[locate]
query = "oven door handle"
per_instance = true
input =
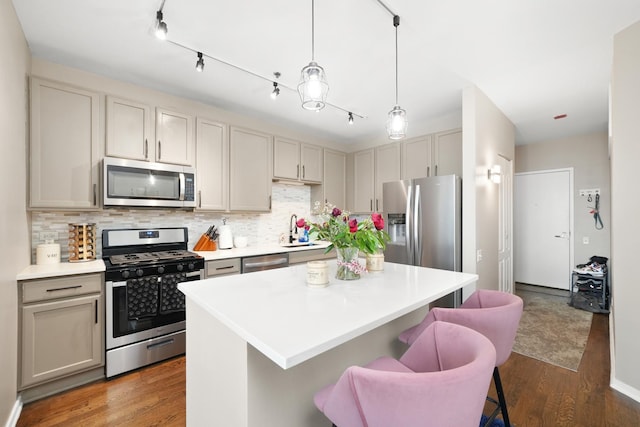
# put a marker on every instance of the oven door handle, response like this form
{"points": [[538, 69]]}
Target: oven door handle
{"points": [[116, 284]]}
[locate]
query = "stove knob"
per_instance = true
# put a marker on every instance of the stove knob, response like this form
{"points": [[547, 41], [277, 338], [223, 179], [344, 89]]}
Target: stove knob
{"points": [[191, 266], [180, 267], [126, 274], [160, 269], [139, 272]]}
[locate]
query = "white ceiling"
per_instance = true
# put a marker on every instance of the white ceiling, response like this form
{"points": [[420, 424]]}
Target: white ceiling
{"points": [[534, 59]]}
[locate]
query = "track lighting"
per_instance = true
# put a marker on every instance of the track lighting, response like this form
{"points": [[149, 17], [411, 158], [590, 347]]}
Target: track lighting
{"points": [[350, 118], [200, 63], [276, 91], [161, 26], [397, 121], [313, 87]]}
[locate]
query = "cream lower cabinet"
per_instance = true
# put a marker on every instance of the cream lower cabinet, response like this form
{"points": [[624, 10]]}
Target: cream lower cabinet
{"points": [[65, 150], [250, 164], [212, 165], [61, 327]]}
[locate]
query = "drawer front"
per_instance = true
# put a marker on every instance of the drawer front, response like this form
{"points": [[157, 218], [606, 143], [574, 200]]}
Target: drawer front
{"points": [[60, 287], [298, 257], [223, 267]]}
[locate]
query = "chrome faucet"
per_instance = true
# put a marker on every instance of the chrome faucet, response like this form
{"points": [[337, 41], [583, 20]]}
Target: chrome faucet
{"points": [[292, 227]]}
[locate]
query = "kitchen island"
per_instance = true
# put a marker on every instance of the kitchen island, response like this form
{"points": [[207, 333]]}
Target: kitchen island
{"points": [[259, 345]]}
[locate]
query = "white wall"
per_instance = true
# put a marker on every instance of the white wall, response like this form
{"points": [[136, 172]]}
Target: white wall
{"points": [[625, 206], [486, 134], [14, 222], [588, 156]]}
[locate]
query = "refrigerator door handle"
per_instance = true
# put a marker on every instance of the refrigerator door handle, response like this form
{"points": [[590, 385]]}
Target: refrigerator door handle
{"points": [[408, 226], [417, 227]]}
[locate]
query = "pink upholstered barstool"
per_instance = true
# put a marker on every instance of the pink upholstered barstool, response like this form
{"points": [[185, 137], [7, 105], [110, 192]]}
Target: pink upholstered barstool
{"points": [[441, 380], [494, 314]]}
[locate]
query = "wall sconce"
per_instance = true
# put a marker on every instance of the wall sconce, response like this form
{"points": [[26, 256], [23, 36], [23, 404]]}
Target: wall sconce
{"points": [[493, 174]]}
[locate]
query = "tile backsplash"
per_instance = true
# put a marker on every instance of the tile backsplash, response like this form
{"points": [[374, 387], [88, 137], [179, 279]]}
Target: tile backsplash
{"points": [[260, 228]]}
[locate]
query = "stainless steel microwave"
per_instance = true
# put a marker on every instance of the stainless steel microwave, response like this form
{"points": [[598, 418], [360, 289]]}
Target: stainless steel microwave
{"points": [[146, 184]]}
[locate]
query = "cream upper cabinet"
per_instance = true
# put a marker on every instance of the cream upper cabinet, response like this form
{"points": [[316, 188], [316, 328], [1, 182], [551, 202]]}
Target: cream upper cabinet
{"points": [[174, 137], [447, 153], [432, 155], [64, 146], [250, 164], [363, 181], [387, 169], [129, 130], [332, 190], [212, 165], [417, 158], [130, 133], [293, 160]]}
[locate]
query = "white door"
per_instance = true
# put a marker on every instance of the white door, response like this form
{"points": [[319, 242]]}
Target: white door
{"points": [[543, 212], [505, 227]]}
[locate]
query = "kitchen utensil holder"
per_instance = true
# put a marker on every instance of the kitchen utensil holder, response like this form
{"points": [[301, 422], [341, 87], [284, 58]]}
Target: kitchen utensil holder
{"points": [[82, 242]]}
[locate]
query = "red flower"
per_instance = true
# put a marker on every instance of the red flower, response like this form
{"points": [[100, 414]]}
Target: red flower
{"points": [[336, 212], [378, 221], [353, 225], [300, 223]]}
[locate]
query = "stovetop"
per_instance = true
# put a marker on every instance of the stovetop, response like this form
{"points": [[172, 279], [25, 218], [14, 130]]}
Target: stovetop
{"points": [[138, 258]]}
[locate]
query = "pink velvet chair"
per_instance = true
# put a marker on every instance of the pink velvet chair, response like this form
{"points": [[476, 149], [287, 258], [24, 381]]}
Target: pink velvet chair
{"points": [[494, 314], [441, 380]]}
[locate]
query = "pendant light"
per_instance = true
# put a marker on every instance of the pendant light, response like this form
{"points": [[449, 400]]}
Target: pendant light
{"points": [[397, 121], [313, 85]]}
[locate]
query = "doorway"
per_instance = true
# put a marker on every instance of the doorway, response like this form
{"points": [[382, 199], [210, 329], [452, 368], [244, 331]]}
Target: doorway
{"points": [[505, 227], [543, 228]]}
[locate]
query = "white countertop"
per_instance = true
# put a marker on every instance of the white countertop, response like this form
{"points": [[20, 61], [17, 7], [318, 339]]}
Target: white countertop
{"points": [[257, 250], [60, 269], [290, 322]]}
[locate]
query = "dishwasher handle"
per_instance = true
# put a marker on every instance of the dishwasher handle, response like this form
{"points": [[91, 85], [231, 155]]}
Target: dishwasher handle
{"points": [[264, 263]]}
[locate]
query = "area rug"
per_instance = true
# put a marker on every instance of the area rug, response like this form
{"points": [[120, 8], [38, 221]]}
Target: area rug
{"points": [[552, 331]]}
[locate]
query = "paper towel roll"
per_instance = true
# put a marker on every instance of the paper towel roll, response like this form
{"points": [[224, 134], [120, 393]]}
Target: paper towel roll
{"points": [[48, 253]]}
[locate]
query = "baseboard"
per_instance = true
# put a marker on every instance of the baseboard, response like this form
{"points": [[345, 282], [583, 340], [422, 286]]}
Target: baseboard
{"points": [[15, 413], [542, 289], [625, 389]]}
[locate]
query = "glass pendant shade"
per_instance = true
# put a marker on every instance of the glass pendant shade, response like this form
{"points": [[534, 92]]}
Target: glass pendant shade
{"points": [[397, 123], [313, 87]]}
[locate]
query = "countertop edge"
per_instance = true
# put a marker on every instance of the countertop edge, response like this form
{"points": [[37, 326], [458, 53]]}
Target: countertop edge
{"points": [[44, 271]]}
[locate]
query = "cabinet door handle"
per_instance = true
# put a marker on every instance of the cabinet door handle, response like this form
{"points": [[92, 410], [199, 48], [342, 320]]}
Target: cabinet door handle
{"points": [[269, 202], [199, 198], [66, 288], [370, 204], [95, 194], [96, 311], [377, 205], [302, 171], [436, 171], [428, 170], [159, 149], [146, 148]]}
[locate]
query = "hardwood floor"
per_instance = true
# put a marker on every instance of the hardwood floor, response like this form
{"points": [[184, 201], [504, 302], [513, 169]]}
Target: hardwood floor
{"points": [[538, 394]]}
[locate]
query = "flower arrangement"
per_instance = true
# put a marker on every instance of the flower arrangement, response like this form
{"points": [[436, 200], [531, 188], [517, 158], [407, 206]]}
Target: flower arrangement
{"points": [[346, 234]]}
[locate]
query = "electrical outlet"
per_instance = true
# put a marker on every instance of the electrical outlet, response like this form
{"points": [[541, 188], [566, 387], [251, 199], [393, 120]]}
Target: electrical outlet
{"points": [[585, 240], [479, 255], [48, 235]]}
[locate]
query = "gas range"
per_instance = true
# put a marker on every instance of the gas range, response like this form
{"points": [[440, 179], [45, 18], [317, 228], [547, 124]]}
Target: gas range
{"points": [[145, 310]]}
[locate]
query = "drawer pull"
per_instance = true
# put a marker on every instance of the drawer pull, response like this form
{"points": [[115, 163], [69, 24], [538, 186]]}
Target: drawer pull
{"points": [[64, 289], [225, 268], [160, 344]]}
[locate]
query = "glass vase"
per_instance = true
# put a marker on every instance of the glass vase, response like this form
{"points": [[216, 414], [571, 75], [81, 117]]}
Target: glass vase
{"points": [[348, 266]]}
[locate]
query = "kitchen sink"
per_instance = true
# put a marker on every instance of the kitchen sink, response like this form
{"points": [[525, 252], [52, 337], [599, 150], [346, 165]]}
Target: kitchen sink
{"points": [[290, 245]]}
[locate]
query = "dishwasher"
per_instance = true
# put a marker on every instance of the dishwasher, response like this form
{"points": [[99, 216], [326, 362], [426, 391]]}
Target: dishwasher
{"points": [[264, 262]]}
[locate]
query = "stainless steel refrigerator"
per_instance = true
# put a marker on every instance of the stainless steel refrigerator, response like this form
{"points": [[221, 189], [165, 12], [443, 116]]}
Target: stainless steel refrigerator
{"points": [[424, 220]]}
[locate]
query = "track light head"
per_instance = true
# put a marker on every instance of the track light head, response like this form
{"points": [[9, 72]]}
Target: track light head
{"points": [[276, 91], [350, 118], [200, 63], [161, 26]]}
